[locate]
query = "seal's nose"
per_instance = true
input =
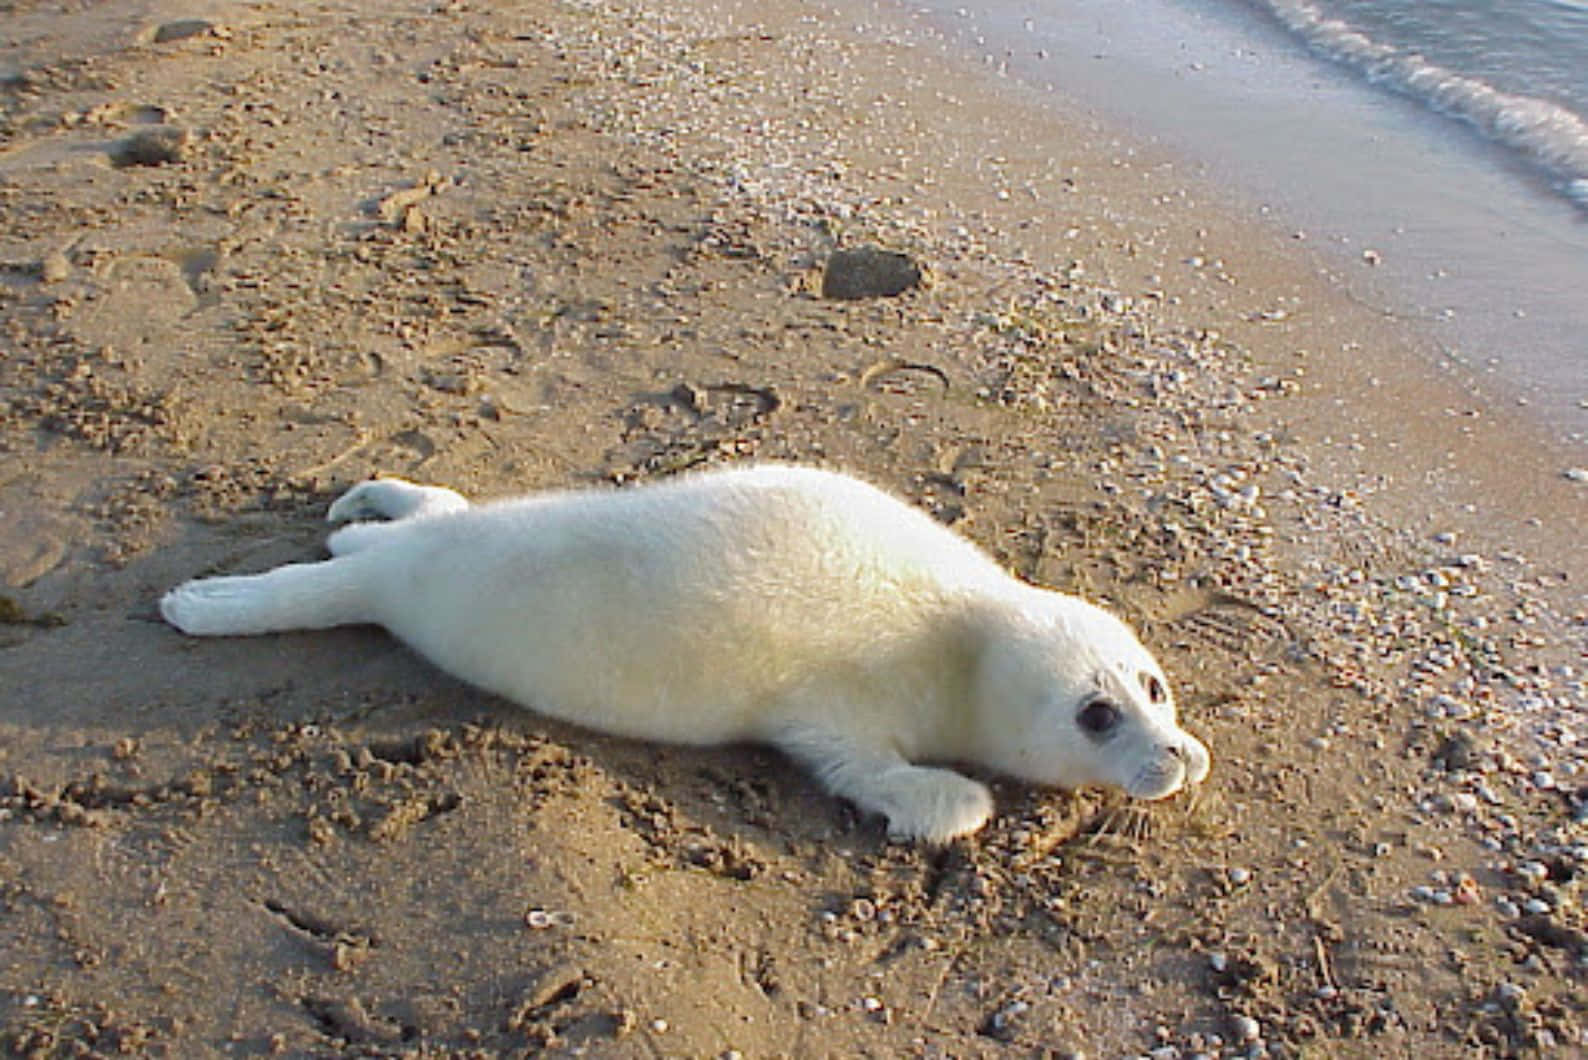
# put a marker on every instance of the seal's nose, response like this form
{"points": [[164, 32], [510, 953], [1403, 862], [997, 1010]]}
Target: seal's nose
{"points": [[1196, 758]]}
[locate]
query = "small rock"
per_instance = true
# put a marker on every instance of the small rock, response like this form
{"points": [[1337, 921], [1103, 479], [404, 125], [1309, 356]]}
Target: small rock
{"points": [[1245, 1028], [157, 145], [182, 29], [869, 272], [1457, 753], [54, 268], [1002, 1025], [1577, 474]]}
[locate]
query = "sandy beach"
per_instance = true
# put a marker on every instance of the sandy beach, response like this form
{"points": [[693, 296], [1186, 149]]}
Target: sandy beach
{"points": [[252, 253]]}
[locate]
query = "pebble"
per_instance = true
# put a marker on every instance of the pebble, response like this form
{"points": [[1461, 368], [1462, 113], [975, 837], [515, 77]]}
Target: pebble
{"points": [[183, 28], [1238, 877], [1246, 1029], [54, 268], [1535, 871]]}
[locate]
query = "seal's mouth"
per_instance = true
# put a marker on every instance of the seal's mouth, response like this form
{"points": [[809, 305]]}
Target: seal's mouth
{"points": [[1172, 768]]}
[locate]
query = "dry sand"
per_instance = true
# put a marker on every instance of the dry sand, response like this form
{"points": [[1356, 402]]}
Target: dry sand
{"points": [[253, 252]]}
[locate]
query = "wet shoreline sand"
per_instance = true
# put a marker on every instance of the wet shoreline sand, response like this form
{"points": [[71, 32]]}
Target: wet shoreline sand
{"points": [[552, 245]]}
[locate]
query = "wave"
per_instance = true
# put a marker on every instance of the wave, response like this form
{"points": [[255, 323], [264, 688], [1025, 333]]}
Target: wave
{"points": [[1547, 134]]}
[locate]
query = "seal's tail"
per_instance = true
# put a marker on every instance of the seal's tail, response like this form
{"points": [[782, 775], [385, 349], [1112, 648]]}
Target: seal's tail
{"points": [[297, 596]]}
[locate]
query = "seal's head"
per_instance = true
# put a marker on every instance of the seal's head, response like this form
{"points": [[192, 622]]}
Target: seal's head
{"points": [[1068, 696]]}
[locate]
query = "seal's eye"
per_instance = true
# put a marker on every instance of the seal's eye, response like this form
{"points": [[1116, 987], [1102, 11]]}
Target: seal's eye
{"points": [[1098, 718], [1156, 693]]}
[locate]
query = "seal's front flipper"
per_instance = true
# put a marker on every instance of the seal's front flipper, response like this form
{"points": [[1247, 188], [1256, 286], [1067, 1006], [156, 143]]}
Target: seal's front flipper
{"points": [[920, 802], [297, 596], [393, 498]]}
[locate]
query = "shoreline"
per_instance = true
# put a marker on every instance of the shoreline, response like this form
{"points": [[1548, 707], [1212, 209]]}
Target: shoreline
{"points": [[582, 245], [1465, 246], [1456, 447]]}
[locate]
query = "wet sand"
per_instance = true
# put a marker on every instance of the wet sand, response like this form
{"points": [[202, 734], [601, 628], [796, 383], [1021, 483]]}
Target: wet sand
{"points": [[248, 263]]}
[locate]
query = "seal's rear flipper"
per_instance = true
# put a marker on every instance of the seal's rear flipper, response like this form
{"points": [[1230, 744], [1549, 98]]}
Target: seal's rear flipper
{"points": [[297, 596], [394, 498]]}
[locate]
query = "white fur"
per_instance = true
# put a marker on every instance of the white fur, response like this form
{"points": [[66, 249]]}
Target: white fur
{"points": [[778, 604]]}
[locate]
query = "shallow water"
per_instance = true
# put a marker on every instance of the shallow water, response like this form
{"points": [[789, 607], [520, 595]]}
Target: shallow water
{"points": [[1472, 237], [1517, 71]]}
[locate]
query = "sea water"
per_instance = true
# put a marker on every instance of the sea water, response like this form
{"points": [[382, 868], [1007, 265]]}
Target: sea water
{"points": [[1444, 141], [1516, 71]]}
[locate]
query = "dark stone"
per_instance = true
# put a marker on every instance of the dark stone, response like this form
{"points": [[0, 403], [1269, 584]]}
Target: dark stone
{"points": [[869, 272], [157, 145]]}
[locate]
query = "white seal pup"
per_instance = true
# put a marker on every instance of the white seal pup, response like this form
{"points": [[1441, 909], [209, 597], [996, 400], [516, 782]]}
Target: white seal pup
{"points": [[776, 604]]}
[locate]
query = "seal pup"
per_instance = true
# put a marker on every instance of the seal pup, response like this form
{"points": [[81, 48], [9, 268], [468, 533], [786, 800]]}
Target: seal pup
{"points": [[772, 603]]}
